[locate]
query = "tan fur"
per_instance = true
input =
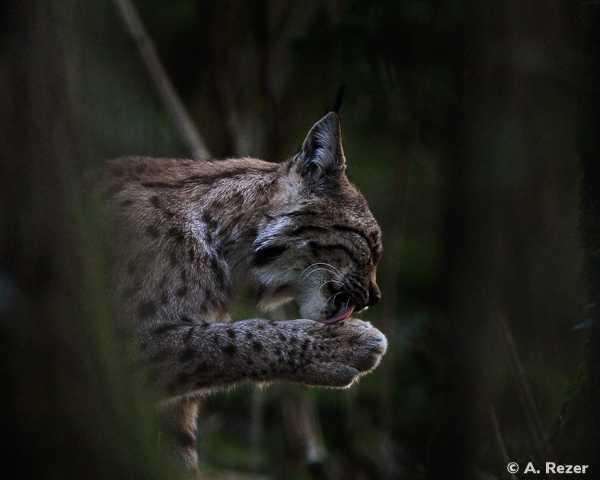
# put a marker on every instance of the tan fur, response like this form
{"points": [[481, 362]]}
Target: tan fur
{"points": [[190, 233]]}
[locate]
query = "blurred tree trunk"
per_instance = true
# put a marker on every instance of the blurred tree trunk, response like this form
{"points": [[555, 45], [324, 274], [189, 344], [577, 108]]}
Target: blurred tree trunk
{"points": [[590, 150], [469, 228], [577, 439], [506, 158], [68, 408]]}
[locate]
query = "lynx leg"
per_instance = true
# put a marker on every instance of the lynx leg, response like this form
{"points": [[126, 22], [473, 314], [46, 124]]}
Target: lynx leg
{"points": [[206, 357], [180, 425]]}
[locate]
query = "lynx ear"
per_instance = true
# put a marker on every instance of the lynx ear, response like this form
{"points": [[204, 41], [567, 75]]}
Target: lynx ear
{"points": [[322, 154]]}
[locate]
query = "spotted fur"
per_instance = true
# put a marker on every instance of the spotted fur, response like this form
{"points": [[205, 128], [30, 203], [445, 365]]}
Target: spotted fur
{"points": [[190, 233]]}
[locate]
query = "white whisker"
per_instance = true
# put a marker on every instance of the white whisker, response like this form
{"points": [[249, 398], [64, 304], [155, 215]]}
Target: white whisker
{"points": [[314, 267], [331, 281], [332, 298], [315, 270]]}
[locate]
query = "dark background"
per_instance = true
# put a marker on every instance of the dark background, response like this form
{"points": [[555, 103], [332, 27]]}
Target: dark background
{"points": [[462, 125]]}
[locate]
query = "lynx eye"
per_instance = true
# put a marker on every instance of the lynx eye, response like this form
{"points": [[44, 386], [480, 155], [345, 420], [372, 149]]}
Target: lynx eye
{"points": [[266, 255]]}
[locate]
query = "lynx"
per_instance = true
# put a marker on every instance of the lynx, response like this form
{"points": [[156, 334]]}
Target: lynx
{"points": [[192, 234]]}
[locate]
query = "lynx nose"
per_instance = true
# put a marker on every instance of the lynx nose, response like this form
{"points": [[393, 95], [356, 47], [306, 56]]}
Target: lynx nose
{"points": [[374, 294]]}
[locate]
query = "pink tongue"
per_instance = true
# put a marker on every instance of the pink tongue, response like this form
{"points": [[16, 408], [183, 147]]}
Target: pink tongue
{"points": [[343, 315]]}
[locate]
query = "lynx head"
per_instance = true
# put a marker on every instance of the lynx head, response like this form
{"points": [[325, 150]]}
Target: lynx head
{"points": [[320, 245]]}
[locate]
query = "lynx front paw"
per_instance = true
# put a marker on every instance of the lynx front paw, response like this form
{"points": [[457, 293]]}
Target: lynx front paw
{"points": [[342, 353]]}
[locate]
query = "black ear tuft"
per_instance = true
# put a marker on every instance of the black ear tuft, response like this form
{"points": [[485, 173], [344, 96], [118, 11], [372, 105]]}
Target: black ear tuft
{"points": [[322, 153], [339, 99]]}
